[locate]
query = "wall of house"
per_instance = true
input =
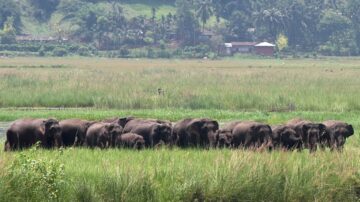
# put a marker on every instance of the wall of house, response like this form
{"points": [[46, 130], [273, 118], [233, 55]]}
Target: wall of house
{"points": [[266, 51]]}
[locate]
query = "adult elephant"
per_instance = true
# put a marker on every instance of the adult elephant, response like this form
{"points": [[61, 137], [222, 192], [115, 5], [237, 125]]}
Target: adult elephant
{"points": [[102, 135], [199, 132], [73, 131], [130, 140], [24, 133], [250, 134], [153, 131], [336, 134], [286, 137], [310, 132]]}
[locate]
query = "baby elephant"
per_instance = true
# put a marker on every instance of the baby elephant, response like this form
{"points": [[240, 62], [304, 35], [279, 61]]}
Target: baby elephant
{"points": [[130, 140], [102, 135]]}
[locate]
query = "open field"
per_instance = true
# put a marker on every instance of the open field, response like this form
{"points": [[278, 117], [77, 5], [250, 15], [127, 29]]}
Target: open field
{"points": [[267, 90], [247, 84]]}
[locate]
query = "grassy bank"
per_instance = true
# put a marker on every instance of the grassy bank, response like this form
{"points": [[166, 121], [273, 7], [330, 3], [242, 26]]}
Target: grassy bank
{"points": [[243, 84], [181, 175]]}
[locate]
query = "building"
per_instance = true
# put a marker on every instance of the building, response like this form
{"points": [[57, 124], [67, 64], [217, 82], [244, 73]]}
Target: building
{"points": [[29, 38], [265, 49], [206, 35], [239, 47]]}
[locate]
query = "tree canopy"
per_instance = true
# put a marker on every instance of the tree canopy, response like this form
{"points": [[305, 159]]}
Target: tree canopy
{"points": [[327, 26]]}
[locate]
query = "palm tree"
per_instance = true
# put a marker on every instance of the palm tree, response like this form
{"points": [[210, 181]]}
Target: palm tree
{"points": [[204, 11], [272, 18]]}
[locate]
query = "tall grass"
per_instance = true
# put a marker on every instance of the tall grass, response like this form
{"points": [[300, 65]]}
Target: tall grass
{"points": [[194, 175], [266, 85]]}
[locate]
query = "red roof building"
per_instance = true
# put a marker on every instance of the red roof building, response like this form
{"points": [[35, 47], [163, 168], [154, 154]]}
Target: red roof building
{"points": [[265, 49]]}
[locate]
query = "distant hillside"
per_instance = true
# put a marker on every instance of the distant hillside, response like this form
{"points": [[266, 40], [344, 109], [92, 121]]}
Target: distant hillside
{"points": [[191, 26], [50, 26]]}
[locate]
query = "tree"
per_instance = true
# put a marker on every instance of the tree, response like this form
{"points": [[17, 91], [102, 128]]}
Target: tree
{"points": [[273, 20], [204, 11], [237, 27], [10, 9], [330, 22], [44, 8], [8, 34], [353, 12], [186, 24], [281, 42], [341, 43]]}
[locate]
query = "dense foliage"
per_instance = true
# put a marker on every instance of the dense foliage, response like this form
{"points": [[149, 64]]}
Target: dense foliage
{"points": [[330, 27]]}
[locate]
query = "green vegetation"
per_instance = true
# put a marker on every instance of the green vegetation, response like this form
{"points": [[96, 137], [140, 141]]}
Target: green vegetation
{"points": [[247, 84], [179, 175], [321, 27], [267, 90]]}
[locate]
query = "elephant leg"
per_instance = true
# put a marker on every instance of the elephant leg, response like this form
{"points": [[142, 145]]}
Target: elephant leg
{"points": [[322, 146], [100, 143], [248, 143]]}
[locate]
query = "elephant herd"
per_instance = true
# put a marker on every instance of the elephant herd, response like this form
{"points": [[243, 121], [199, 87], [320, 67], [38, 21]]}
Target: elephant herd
{"points": [[130, 132]]}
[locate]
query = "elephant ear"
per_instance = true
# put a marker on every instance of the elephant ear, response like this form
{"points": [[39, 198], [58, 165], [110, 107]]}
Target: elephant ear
{"points": [[351, 130], [197, 125], [123, 121], [269, 128], [305, 128], [109, 127], [49, 122], [322, 129], [277, 133], [89, 123], [158, 128], [216, 124], [255, 129]]}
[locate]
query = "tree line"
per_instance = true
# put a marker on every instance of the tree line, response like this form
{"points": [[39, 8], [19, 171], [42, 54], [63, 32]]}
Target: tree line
{"points": [[331, 27]]}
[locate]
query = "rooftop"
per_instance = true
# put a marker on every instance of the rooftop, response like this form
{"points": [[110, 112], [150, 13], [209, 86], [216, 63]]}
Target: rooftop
{"points": [[265, 44]]}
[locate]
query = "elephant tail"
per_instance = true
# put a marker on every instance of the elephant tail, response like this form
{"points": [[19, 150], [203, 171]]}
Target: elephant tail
{"points": [[11, 140]]}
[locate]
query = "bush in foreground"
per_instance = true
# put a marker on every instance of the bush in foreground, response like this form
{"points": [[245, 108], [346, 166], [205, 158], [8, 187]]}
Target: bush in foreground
{"points": [[183, 175]]}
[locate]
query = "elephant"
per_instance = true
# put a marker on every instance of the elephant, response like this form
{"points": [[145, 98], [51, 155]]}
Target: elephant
{"points": [[130, 140], [250, 134], [311, 133], [285, 137], [336, 134], [224, 135], [73, 131], [200, 132], [24, 133], [153, 131], [102, 135]]}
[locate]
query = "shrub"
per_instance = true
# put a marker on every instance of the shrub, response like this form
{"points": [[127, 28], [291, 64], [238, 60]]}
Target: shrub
{"points": [[84, 51], [32, 178], [59, 52]]}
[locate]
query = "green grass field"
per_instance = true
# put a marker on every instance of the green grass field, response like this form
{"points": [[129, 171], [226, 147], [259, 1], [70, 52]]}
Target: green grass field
{"points": [[246, 84], [267, 90]]}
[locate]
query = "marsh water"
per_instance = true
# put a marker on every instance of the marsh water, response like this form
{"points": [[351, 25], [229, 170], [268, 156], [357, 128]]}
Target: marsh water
{"points": [[3, 128]]}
